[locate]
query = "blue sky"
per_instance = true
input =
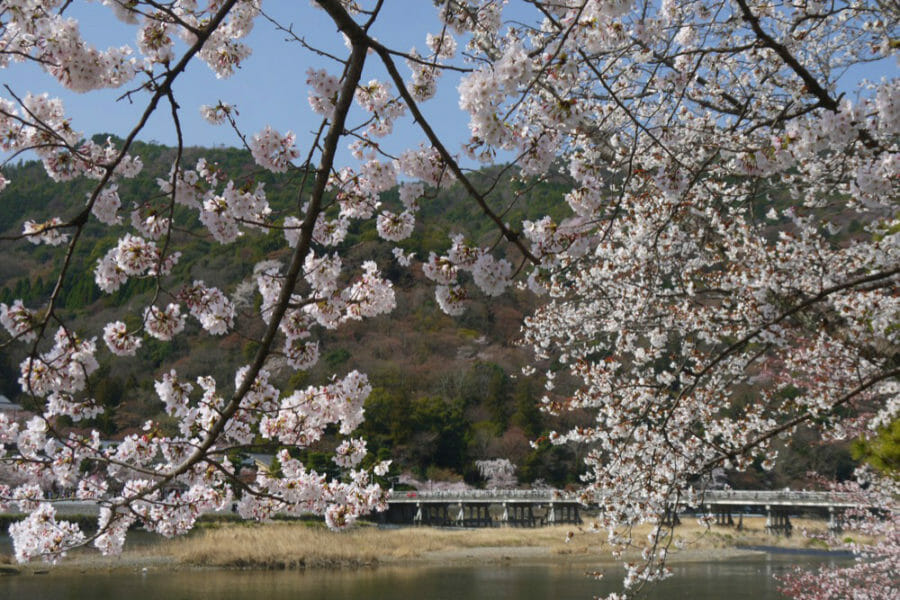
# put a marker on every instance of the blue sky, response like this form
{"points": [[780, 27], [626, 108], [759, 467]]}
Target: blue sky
{"points": [[269, 89]]}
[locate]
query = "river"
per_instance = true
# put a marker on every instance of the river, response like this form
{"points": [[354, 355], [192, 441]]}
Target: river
{"points": [[734, 579]]}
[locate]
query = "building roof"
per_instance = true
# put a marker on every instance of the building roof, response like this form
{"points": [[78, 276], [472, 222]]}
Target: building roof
{"points": [[7, 404]]}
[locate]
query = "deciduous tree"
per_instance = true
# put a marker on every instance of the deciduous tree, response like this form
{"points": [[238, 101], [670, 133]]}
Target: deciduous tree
{"points": [[705, 295]]}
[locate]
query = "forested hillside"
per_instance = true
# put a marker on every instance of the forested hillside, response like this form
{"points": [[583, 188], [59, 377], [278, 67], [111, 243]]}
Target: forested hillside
{"points": [[446, 391]]}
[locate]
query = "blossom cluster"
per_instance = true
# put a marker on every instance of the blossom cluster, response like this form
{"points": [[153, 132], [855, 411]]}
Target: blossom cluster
{"points": [[18, 321], [492, 276], [272, 150], [156, 476], [698, 249]]}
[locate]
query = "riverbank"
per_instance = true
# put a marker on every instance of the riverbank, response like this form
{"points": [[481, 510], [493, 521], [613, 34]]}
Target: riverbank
{"points": [[304, 545]]}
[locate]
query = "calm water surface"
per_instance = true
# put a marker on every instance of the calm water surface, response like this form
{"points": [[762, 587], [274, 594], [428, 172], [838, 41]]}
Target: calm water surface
{"points": [[732, 580]]}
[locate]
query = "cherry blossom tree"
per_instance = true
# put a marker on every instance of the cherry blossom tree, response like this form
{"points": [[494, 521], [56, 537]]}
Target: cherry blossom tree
{"points": [[709, 299], [875, 575], [497, 472], [703, 299]]}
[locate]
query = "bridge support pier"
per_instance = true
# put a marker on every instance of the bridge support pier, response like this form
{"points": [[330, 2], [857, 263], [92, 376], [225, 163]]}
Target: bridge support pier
{"points": [[670, 517], [521, 515], [479, 515], [434, 514], [778, 521], [570, 514], [721, 514], [531, 508], [563, 512], [723, 517], [834, 523]]}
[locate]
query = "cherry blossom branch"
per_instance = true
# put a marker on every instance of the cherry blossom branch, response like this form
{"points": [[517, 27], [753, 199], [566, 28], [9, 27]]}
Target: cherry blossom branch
{"points": [[800, 419], [813, 300], [355, 32], [448, 159], [162, 90], [342, 107], [810, 83]]}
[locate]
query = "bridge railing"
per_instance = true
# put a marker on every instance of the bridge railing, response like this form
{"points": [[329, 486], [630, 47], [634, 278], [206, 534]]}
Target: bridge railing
{"points": [[791, 497], [747, 497], [493, 495]]}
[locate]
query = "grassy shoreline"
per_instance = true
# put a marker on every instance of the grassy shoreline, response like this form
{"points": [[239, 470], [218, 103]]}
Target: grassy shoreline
{"points": [[303, 545]]}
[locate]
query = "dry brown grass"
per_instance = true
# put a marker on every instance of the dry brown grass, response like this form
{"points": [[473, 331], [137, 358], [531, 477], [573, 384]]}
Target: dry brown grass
{"points": [[298, 545], [753, 533], [271, 546]]}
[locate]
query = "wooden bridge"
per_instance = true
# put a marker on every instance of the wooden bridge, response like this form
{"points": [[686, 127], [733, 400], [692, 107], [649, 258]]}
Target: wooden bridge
{"points": [[532, 508]]}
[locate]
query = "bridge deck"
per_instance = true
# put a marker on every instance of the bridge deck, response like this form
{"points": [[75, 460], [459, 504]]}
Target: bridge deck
{"points": [[517, 507], [733, 498]]}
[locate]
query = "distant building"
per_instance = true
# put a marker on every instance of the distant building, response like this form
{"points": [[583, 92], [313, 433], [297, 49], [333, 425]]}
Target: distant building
{"points": [[15, 411]]}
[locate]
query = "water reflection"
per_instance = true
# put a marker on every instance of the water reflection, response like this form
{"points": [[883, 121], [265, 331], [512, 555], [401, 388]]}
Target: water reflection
{"points": [[733, 579]]}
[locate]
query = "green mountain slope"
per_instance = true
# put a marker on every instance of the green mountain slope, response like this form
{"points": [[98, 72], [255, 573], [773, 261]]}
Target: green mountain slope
{"points": [[446, 391]]}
